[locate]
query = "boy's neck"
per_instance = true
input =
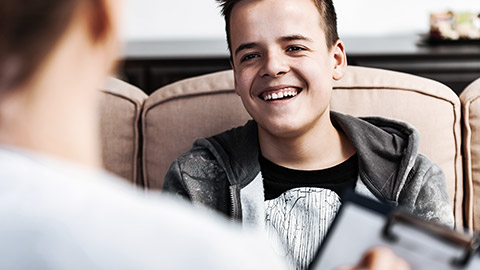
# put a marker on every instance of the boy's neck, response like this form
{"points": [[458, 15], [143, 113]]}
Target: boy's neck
{"points": [[320, 148]]}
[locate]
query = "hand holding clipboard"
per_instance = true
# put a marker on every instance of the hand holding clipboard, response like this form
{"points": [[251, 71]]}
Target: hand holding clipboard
{"points": [[380, 258], [363, 224]]}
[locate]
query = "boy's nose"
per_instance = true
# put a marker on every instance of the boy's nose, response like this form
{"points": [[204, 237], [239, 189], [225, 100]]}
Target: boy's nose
{"points": [[274, 65]]}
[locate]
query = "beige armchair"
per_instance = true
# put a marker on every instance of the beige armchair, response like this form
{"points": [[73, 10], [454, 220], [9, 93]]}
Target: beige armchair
{"points": [[174, 116]]}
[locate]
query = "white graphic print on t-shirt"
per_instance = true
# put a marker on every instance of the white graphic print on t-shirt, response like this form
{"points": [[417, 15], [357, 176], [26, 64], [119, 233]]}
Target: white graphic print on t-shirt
{"points": [[300, 218]]}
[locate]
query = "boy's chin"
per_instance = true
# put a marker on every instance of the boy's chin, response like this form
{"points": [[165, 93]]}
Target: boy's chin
{"points": [[281, 129]]}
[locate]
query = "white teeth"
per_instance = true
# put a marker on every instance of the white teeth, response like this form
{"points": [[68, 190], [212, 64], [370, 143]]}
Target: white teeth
{"points": [[280, 94]]}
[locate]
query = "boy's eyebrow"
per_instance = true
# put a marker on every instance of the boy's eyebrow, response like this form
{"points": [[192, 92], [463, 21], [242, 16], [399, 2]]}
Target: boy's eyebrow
{"points": [[245, 46], [250, 45], [295, 37]]}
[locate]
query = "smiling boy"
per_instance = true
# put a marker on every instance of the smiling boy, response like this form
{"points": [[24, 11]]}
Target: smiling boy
{"points": [[287, 169]]}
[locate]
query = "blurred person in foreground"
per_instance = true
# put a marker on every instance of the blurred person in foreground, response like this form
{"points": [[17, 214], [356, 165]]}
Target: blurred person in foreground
{"points": [[58, 209]]}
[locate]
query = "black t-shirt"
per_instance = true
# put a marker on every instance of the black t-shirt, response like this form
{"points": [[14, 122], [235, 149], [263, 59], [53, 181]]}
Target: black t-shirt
{"points": [[278, 179]]}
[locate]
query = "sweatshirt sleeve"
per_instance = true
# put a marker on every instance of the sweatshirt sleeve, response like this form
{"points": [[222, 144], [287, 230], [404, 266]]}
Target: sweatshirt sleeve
{"points": [[427, 194], [173, 182]]}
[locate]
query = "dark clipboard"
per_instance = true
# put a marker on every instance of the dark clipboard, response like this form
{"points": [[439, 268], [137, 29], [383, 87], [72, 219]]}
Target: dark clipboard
{"points": [[363, 223]]}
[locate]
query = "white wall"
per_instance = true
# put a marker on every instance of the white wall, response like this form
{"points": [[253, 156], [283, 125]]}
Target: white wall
{"points": [[381, 17], [173, 19], [200, 19]]}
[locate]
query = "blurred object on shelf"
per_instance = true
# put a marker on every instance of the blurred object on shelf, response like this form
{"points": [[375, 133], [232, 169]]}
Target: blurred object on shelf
{"points": [[454, 26]]}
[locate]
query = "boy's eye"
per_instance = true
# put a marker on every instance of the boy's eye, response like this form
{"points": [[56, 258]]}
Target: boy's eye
{"points": [[295, 48], [248, 57]]}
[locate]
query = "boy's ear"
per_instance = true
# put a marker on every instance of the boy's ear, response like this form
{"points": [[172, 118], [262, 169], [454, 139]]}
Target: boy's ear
{"points": [[339, 60]]}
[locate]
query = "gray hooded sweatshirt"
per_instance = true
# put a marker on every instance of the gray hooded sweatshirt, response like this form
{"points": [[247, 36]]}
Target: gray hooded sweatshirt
{"points": [[223, 171]]}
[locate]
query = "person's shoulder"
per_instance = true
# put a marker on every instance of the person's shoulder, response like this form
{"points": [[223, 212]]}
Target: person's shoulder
{"points": [[424, 166], [373, 121], [198, 232], [200, 162], [90, 216], [196, 156], [228, 143]]}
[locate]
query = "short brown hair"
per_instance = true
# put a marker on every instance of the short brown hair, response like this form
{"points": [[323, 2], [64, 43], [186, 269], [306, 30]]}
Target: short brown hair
{"points": [[31, 28], [325, 8]]}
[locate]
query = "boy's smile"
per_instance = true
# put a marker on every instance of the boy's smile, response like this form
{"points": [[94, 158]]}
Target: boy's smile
{"points": [[283, 69], [279, 93]]}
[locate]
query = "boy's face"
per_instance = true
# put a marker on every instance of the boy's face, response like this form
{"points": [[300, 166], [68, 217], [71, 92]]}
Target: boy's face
{"points": [[283, 69]]}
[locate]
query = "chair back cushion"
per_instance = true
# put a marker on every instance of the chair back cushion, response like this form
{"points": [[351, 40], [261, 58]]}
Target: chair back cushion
{"points": [[177, 114]]}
